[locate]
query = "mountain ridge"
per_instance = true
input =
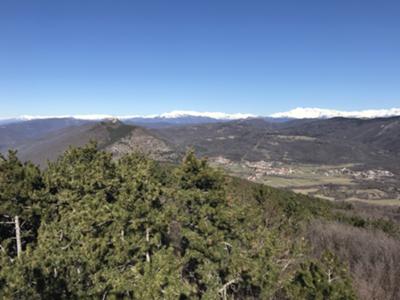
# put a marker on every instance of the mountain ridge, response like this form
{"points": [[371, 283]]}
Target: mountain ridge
{"points": [[188, 116], [113, 136], [320, 113]]}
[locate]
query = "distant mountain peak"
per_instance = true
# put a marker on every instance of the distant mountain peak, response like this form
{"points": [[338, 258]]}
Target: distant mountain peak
{"points": [[320, 113], [212, 115], [169, 115], [189, 116]]}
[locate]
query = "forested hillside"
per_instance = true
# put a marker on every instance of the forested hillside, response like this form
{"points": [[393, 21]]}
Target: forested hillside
{"points": [[91, 227]]}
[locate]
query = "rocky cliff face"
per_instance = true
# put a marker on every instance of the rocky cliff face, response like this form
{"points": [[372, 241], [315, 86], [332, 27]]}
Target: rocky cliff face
{"points": [[139, 140]]}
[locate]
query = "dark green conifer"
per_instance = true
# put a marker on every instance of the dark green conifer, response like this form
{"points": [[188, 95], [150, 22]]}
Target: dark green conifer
{"points": [[96, 228]]}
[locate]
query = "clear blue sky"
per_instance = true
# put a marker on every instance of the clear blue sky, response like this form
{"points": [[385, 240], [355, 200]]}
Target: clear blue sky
{"points": [[141, 57]]}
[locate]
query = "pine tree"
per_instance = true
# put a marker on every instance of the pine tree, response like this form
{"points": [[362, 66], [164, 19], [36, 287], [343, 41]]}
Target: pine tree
{"points": [[98, 228], [75, 234], [142, 202], [21, 198], [20, 187], [105, 235], [204, 218], [326, 279]]}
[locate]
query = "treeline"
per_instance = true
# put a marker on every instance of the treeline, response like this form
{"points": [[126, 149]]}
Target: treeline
{"points": [[90, 227]]}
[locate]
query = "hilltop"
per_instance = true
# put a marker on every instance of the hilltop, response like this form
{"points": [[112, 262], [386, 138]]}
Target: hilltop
{"points": [[112, 135]]}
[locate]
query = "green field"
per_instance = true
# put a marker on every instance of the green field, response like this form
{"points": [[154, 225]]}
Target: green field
{"points": [[323, 181]]}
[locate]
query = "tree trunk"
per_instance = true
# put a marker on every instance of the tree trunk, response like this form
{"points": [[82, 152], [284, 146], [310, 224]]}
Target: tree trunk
{"points": [[18, 236], [148, 241]]}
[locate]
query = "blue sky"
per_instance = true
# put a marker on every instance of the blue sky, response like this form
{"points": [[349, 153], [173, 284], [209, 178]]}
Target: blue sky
{"points": [[143, 57]]}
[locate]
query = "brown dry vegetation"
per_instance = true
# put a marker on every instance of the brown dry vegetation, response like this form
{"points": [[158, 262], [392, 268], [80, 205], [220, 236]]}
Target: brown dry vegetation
{"points": [[370, 211], [372, 256]]}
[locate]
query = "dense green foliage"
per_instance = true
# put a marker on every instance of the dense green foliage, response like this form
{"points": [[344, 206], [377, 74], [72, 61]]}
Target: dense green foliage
{"points": [[96, 228]]}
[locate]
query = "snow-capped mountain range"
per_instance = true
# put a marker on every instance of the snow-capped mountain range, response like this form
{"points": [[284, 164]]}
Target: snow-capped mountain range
{"points": [[169, 115], [319, 113], [297, 113]]}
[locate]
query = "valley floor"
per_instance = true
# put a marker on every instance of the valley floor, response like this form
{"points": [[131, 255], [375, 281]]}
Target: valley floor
{"points": [[350, 182]]}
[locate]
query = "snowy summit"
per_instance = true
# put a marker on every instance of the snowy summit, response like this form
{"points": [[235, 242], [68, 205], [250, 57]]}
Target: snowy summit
{"points": [[319, 113], [297, 113]]}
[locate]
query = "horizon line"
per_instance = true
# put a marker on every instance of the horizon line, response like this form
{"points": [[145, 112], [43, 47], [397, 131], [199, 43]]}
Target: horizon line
{"points": [[296, 113]]}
